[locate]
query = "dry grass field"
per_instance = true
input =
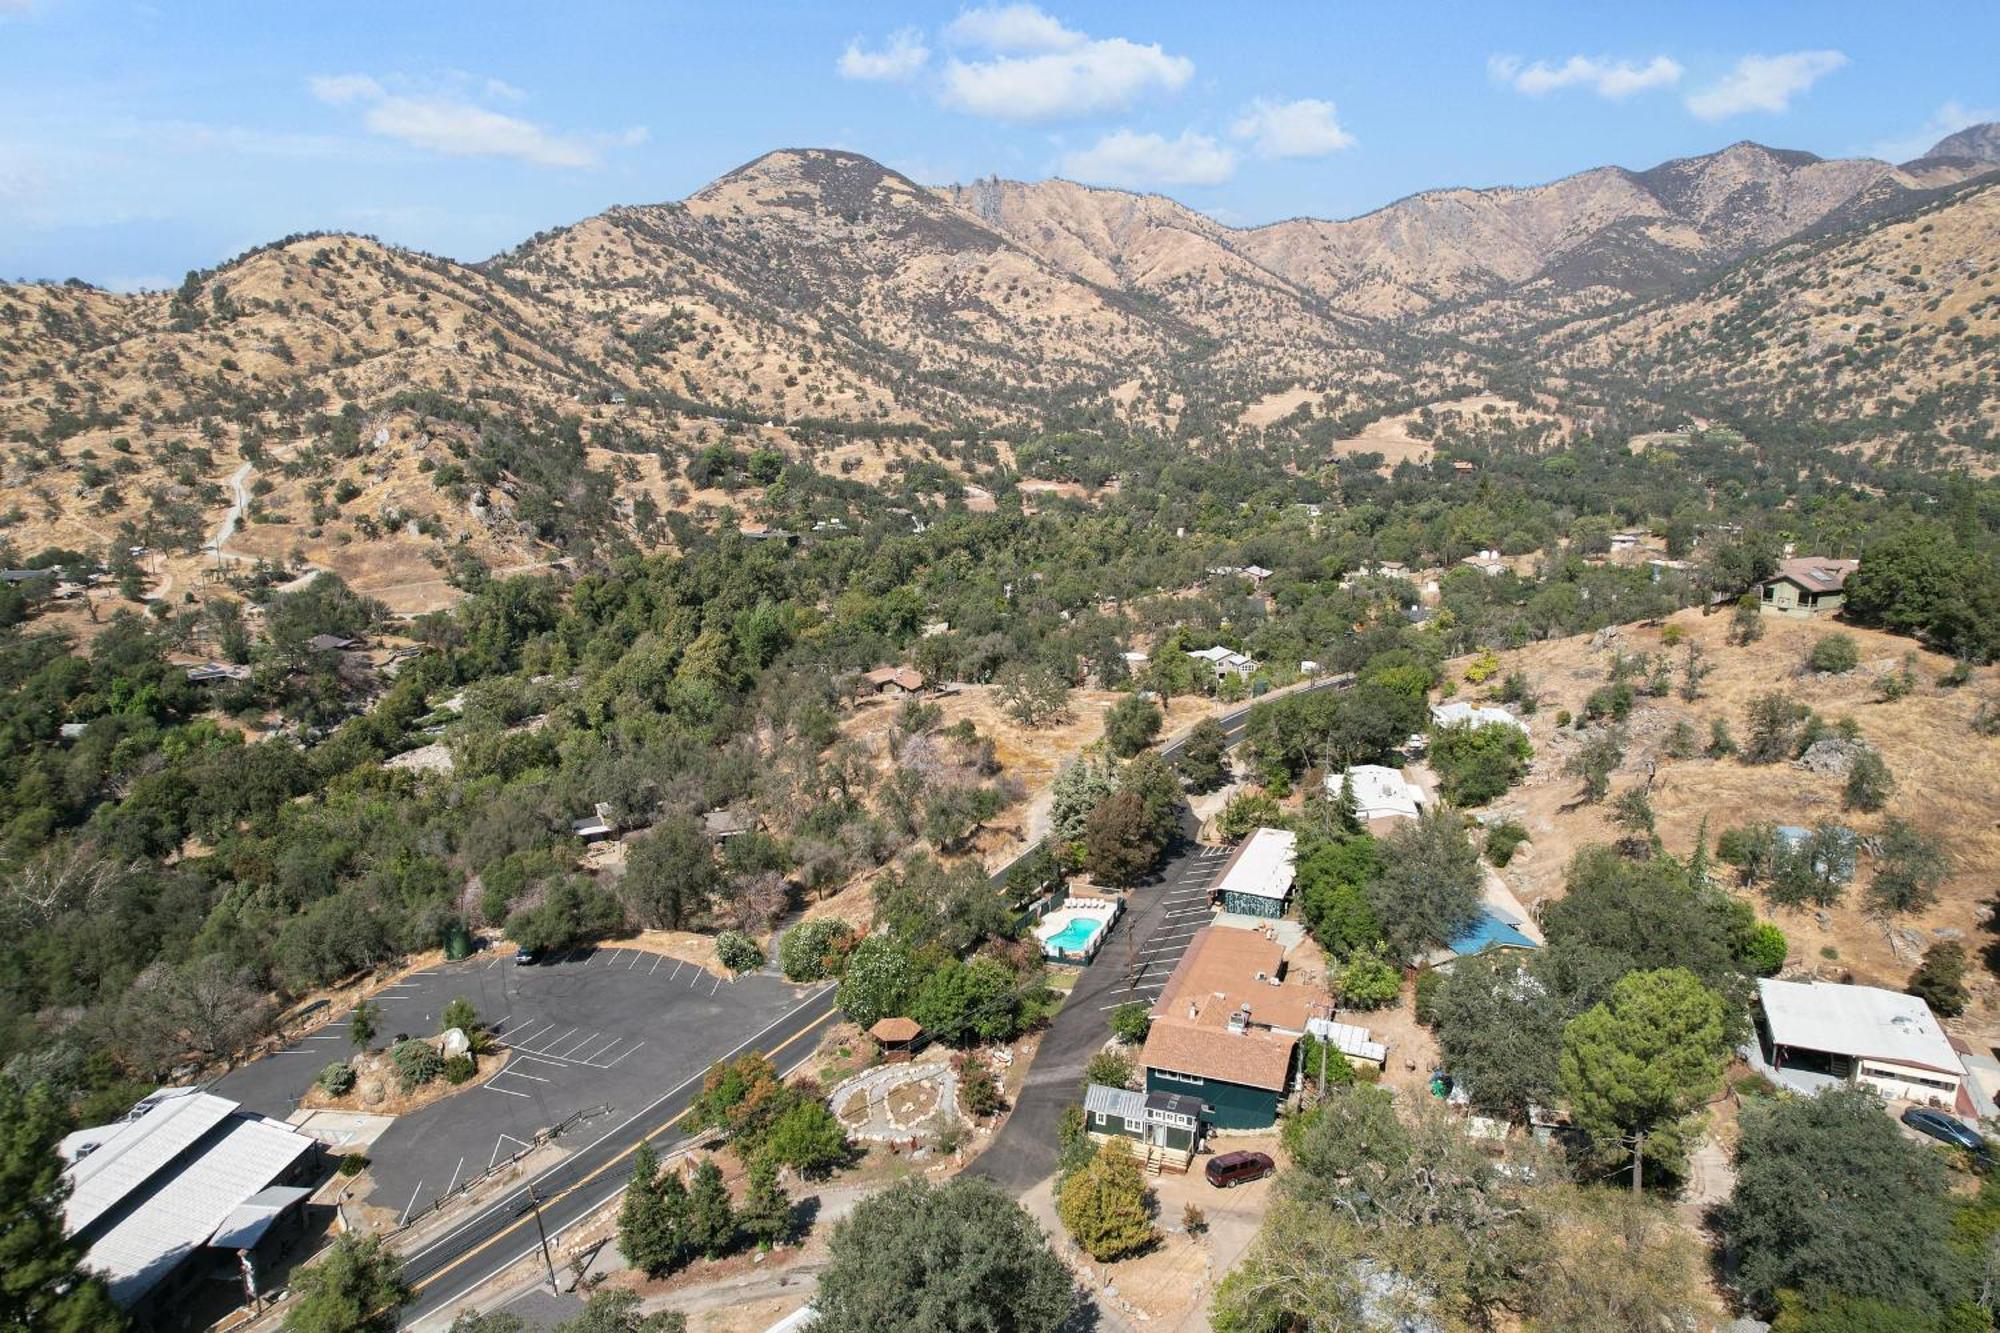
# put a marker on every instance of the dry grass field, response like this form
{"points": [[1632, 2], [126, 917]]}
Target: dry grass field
{"points": [[1946, 775]]}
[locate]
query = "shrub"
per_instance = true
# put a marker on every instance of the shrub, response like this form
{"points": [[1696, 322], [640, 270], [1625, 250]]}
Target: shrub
{"points": [[806, 1138], [1501, 840], [978, 1091], [1106, 1206], [1836, 653], [337, 1078], [1671, 635], [459, 1069], [1110, 1069], [1939, 980], [1682, 742], [1765, 949], [1959, 674], [1129, 1022], [352, 1164], [1369, 981], [417, 1063], [1428, 983], [812, 950], [1869, 783], [737, 951]]}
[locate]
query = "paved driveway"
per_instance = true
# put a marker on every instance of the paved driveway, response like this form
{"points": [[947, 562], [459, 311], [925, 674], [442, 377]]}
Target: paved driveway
{"points": [[602, 1031]]}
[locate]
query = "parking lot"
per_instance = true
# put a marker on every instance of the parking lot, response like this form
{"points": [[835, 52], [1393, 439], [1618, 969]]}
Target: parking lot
{"points": [[1182, 911], [610, 1028]]}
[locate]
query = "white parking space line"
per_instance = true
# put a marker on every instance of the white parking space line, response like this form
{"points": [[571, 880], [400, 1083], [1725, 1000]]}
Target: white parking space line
{"points": [[412, 1203], [570, 1053], [504, 1138], [511, 1072], [548, 1047], [532, 1036], [621, 1057], [637, 958], [679, 963], [1187, 912], [695, 980], [454, 1175], [658, 958], [539, 1059], [505, 1092], [716, 987], [578, 1054]]}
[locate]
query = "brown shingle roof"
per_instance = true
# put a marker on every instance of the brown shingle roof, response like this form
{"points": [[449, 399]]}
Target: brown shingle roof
{"points": [[1254, 1059], [895, 1029], [907, 677], [1817, 573]]}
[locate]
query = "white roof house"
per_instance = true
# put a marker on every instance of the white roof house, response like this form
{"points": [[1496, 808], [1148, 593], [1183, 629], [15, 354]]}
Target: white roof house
{"points": [[1258, 876], [1380, 793], [1478, 715], [1884, 1038], [149, 1192], [1226, 661]]}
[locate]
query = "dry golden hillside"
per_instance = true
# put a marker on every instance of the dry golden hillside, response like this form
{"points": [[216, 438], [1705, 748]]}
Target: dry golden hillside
{"points": [[1946, 776]]}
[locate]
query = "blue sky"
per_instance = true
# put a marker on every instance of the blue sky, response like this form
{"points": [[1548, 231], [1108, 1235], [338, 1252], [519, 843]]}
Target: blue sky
{"points": [[139, 140]]}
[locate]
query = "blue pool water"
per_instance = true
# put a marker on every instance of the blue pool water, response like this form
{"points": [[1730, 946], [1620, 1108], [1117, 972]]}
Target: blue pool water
{"points": [[1075, 936]]}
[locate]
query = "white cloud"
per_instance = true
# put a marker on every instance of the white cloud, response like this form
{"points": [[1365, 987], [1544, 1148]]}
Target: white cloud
{"points": [[1098, 76], [899, 60], [1123, 157], [1308, 127], [449, 124], [1615, 79], [1946, 120], [1012, 29], [1764, 83]]}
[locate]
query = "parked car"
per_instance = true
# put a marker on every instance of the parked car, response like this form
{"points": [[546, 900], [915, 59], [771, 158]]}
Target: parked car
{"points": [[1238, 1168], [525, 957], [1945, 1128]]}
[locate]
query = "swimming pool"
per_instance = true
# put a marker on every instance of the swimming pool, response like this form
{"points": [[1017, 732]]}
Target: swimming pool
{"points": [[1073, 937], [1073, 932]]}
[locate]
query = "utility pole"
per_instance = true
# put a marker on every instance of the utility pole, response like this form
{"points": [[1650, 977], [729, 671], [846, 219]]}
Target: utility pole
{"points": [[535, 1206]]}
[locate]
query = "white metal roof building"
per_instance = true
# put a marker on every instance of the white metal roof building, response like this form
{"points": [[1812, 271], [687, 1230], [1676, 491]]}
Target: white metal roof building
{"points": [[1257, 879], [1379, 793], [1458, 713], [1883, 1038], [185, 1171]]}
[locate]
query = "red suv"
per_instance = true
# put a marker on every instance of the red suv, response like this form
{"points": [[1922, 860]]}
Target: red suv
{"points": [[1238, 1168]]}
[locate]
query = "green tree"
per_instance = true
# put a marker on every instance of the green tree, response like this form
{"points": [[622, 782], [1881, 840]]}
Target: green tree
{"points": [[1500, 1033], [1878, 1226], [738, 952], [1939, 980], [1773, 721], [41, 1283], [811, 950], [1369, 981], [1596, 760], [1836, 653], [1429, 888], [1618, 915], [1078, 787], [1332, 879], [960, 1257], [766, 1215], [652, 1218], [356, 1287], [962, 1003], [807, 1138], [1120, 844], [670, 874], [1869, 783], [1132, 724], [1643, 1060], [1765, 949], [1203, 757], [616, 1310], [1910, 867], [1476, 764], [1033, 694], [880, 980], [1106, 1206], [711, 1220]]}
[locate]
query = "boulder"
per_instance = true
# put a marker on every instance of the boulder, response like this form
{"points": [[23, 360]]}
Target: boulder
{"points": [[454, 1042]]}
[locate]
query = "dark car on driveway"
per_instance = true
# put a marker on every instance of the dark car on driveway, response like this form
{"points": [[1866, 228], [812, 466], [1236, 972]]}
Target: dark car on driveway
{"points": [[1945, 1128], [1238, 1168]]}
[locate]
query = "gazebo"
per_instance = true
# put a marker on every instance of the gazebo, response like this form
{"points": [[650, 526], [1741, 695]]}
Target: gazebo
{"points": [[897, 1037]]}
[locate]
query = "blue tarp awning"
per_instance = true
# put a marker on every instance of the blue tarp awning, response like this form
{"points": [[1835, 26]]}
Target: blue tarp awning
{"points": [[1491, 930]]}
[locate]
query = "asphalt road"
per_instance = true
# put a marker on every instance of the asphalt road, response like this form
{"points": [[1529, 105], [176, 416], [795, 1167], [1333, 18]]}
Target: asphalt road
{"points": [[449, 1269], [1138, 955]]}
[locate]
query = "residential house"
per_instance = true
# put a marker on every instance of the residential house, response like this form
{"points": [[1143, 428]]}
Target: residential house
{"points": [[1494, 930], [1226, 1027], [596, 826], [1226, 662], [1808, 586], [1163, 1127], [1382, 796], [210, 672], [722, 825], [186, 1188], [330, 643], [1487, 562], [1257, 878], [1882, 1039], [1460, 713], [895, 682]]}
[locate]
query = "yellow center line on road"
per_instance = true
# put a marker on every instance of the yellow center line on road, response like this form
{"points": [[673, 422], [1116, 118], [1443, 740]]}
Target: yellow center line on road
{"points": [[522, 1222]]}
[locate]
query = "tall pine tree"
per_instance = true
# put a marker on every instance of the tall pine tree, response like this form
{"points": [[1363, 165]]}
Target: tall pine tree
{"points": [[711, 1222], [40, 1284]]}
